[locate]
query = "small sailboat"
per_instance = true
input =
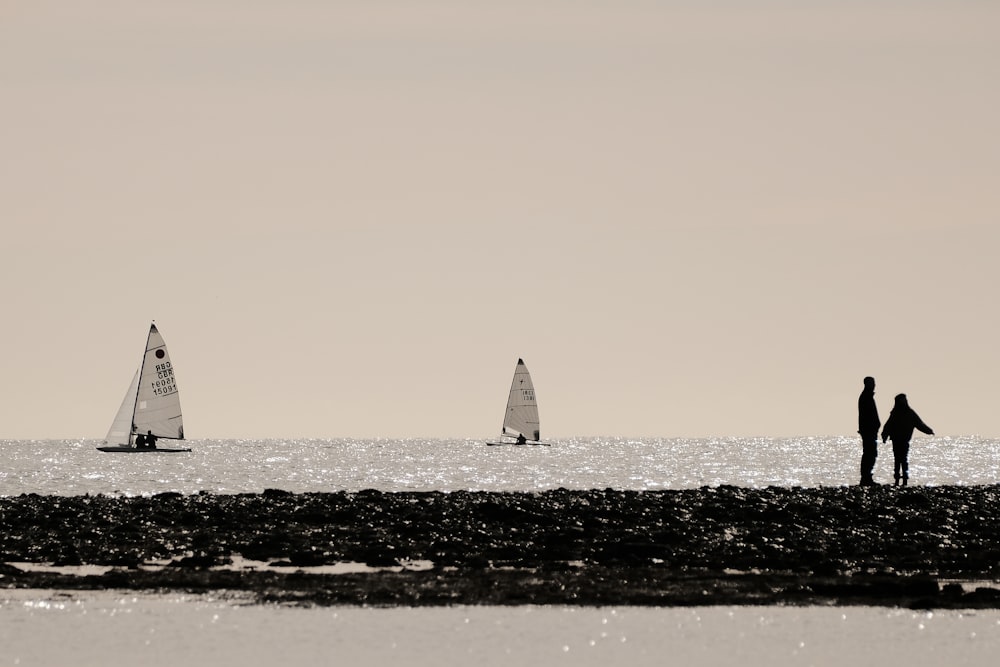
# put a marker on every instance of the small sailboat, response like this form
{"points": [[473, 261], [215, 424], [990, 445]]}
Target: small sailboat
{"points": [[520, 422], [152, 404]]}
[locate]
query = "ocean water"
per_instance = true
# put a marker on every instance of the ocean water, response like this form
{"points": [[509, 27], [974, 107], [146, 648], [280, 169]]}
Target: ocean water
{"points": [[75, 467], [112, 628], [108, 629]]}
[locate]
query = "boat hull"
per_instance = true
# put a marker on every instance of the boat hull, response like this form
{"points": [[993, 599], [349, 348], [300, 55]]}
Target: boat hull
{"points": [[520, 444], [136, 450]]}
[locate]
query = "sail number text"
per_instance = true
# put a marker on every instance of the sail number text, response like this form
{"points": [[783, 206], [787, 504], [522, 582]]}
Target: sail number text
{"points": [[164, 383], [528, 394]]}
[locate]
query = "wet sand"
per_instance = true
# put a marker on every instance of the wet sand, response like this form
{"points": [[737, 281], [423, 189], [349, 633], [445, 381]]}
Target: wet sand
{"points": [[916, 547]]}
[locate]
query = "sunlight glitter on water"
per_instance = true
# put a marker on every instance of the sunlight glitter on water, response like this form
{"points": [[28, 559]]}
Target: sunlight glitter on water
{"points": [[236, 466]]}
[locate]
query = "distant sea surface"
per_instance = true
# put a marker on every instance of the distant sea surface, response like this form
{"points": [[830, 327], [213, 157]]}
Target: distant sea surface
{"points": [[75, 467]]}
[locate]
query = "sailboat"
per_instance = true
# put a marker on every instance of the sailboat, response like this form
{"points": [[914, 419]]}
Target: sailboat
{"points": [[520, 422], [151, 405]]}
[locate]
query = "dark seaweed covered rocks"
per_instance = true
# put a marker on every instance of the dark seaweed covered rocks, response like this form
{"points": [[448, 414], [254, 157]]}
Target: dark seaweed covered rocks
{"points": [[726, 545]]}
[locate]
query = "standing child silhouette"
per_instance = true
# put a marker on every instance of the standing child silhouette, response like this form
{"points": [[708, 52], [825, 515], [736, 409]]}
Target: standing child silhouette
{"points": [[899, 426]]}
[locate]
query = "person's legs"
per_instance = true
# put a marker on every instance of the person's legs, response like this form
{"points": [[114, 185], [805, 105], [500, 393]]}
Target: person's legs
{"points": [[905, 462], [869, 452], [897, 461], [867, 463]]}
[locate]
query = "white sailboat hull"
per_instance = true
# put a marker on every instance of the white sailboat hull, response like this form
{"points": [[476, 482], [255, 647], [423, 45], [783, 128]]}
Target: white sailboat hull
{"points": [[122, 449]]}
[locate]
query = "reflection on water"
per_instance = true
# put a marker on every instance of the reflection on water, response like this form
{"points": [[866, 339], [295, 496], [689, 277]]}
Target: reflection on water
{"points": [[111, 629], [236, 466]]}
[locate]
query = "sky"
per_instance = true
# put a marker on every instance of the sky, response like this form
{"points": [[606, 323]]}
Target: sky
{"points": [[350, 219]]}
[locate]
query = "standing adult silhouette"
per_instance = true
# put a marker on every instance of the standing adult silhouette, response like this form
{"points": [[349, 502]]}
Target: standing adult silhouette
{"points": [[868, 423], [899, 426]]}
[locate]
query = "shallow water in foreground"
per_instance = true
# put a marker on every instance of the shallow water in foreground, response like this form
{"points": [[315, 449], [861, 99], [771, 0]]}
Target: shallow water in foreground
{"points": [[75, 467], [121, 628]]}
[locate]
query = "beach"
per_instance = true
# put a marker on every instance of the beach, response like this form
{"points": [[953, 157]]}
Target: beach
{"points": [[918, 547]]}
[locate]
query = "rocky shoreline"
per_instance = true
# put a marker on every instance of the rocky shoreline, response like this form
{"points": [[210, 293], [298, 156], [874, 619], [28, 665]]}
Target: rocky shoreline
{"points": [[923, 547]]}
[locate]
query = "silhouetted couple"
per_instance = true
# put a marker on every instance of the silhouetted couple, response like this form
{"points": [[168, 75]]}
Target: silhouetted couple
{"points": [[899, 427]]}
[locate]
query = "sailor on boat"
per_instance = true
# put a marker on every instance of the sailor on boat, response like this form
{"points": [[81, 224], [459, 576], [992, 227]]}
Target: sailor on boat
{"points": [[150, 440]]}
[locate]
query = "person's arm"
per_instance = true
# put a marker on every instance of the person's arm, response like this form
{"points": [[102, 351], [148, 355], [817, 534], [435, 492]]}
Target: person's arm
{"points": [[921, 426]]}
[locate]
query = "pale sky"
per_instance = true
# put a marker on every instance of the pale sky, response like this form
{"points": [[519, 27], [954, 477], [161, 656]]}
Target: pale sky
{"points": [[349, 219]]}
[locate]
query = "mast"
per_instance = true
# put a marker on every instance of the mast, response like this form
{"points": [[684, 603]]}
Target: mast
{"points": [[145, 349], [506, 411]]}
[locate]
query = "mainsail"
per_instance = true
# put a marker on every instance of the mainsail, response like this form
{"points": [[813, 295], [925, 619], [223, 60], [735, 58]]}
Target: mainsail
{"points": [[151, 403], [522, 410]]}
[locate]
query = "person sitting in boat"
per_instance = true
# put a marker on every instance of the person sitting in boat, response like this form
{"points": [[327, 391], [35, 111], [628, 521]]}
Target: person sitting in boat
{"points": [[150, 440], [521, 439], [140, 441]]}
